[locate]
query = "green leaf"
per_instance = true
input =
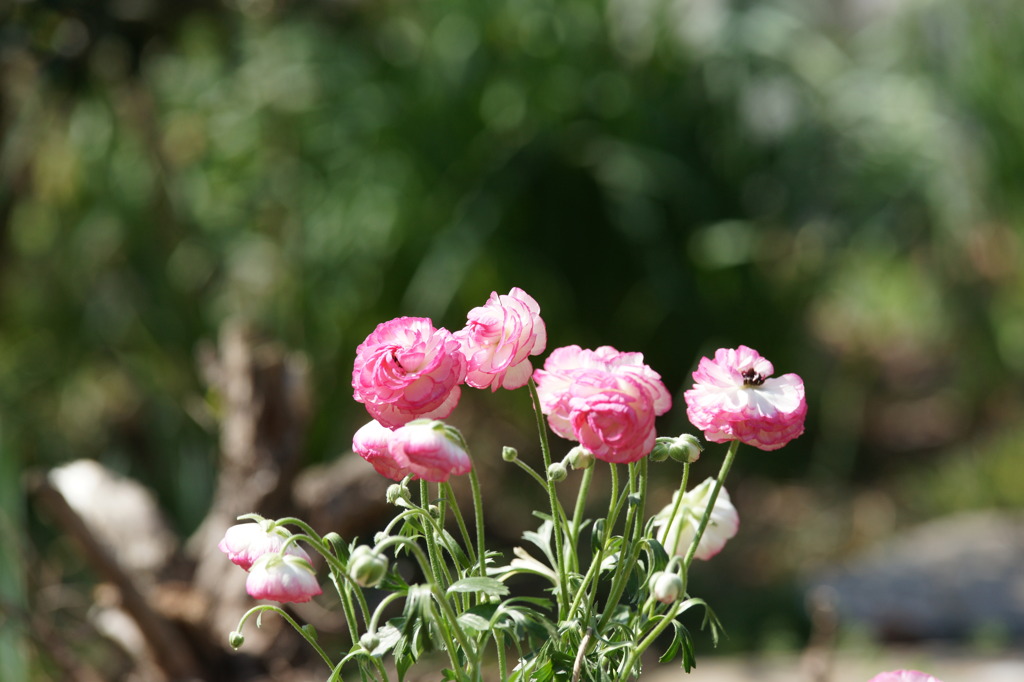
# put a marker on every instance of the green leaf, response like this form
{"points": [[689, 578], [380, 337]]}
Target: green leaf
{"points": [[479, 584]]}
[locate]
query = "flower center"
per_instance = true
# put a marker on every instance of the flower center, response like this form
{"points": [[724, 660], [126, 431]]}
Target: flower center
{"points": [[752, 378]]}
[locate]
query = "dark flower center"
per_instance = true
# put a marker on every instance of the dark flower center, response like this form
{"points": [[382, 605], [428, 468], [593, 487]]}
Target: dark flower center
{"points": [[752, 378]]}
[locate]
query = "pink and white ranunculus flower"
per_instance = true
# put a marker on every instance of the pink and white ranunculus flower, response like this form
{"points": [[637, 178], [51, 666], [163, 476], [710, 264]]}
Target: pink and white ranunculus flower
{"points": [[499, 339], [244, 543], [604, 399], [903, 676], [677, 536], [372, 443], [432, 452], [734, 397], [406, 369], [282, 578]]}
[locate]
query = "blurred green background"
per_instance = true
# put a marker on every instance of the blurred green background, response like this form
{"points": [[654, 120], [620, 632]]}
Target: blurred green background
{"points": [[837, 185]]}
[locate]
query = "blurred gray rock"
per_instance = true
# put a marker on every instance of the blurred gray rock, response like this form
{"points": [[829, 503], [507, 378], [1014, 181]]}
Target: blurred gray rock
{"points": [[949, 578]]}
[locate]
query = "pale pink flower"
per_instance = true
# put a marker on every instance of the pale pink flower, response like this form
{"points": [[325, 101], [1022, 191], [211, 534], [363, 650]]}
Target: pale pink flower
{"points": [[432, 453], [371, 443], [282, 578], [722, 526], [604, 399], [244, 543], [903, 676], [406, 369], [499, 339], [733, 398]]}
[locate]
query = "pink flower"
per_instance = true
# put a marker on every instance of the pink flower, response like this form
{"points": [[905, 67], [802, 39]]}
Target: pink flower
{"points": [[430, 450], [604, 399], [722, 526], [407, 370], [282, 578], [371, 443], [903, 676], [244, 543], [733, 398], [499, 339]]}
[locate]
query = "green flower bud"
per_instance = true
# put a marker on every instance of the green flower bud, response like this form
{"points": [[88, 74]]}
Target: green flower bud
{"points": [[397, 492], [310, 631], [367, 567], [369, 641], [580, 458], [509, 453], [557, 472], [236, 639], [685, 449], [661, 448]]}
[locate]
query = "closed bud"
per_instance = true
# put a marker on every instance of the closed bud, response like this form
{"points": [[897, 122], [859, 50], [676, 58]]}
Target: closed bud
{"points": [[367, 567], [580, 458], [397, 493], [509, 453], [236, 639], [557, 472], [661, 448], [685, 449], [369, 641], [666, 587]]}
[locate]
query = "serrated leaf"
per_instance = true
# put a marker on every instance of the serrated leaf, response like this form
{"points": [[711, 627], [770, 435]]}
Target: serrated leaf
{"points": [[481, 585]]}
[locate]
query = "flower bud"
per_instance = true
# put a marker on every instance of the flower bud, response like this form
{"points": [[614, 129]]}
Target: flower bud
{"points": [[666, 587], [509, 453], [367, 567], [236, 639], [685, 448], [397, 493], [660, 451], [369, 641], [557, 472], [580, 458], [309, 630]]}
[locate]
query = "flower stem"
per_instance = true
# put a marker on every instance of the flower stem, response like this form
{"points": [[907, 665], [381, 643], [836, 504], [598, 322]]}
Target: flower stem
{"points": [[459, 520], [478, 512], [557, 514], [437, 564], [577, 514], [730, 455]]}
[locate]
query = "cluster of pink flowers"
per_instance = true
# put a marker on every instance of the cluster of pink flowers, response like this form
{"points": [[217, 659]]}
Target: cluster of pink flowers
{"points": [[407, 369], [604, 399], [407, 372], [279, 576]]}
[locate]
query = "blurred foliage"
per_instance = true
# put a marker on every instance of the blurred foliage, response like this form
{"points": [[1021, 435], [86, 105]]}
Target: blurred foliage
{"points": [[834, 184]]}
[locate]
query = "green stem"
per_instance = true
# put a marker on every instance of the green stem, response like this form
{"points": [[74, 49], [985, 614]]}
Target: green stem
{"points": [[478, 512], [677, 503], [499, 645], [452, 620], [557, 513], [460, 521], [730, 456], [298, 628], [577, 513], [433, 551], [629, 551]]}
